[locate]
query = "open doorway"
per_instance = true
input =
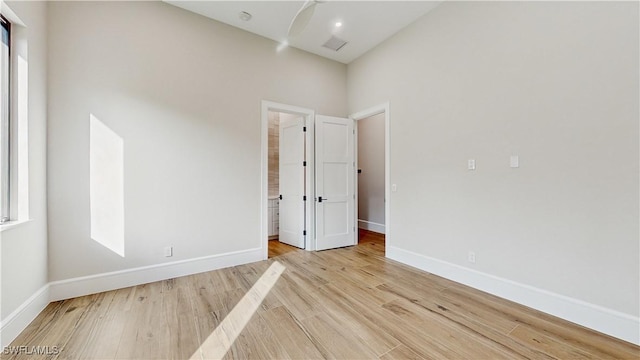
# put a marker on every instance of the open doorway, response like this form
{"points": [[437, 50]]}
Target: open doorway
{"points": [[285, 211], [372, 175], [286, 180], [371, 214], [329, 194]]}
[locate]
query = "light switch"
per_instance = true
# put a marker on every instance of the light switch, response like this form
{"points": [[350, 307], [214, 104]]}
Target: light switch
{"points": [[394, 187], [471, 164], [514, 161]]}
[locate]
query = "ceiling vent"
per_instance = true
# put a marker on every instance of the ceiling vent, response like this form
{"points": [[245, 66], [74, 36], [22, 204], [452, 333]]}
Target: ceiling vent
{"points": [[334, 43]]}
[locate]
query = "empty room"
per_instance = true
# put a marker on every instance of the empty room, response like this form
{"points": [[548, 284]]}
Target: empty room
{"points": [[320, 179]]}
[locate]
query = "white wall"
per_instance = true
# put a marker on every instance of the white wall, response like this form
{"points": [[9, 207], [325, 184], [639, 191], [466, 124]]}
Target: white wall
{"points": [[23, 249], [371, 180], [556, 84], [184, 93]]}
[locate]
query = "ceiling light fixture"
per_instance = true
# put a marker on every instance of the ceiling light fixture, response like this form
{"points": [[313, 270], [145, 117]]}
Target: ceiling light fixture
{"points": [[338, 24], [244, 16]]}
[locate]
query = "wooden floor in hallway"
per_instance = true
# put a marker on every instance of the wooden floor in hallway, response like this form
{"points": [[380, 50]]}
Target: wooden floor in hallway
{"points": [[277, 248], [348, 303]]}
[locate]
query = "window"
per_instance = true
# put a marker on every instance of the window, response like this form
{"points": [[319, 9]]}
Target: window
{"points": [[5, 128]]}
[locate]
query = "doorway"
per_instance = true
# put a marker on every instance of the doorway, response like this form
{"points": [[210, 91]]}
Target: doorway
{"points": [[329, 176], [372, 178], [287, 159], [285, 213], [371, 216]]}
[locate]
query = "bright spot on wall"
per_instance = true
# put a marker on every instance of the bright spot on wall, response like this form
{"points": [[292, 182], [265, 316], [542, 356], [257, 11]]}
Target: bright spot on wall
{"points": [[283, 45], [106, 182]]}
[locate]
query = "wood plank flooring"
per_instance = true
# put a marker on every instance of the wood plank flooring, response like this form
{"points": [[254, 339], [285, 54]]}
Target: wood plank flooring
{"points": [[348, 303], [276, 248]]}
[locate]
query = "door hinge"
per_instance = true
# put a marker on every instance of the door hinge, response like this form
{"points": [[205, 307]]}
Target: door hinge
{"points": [[304, 163], [304, 129], [304, 232], [304, 197]]}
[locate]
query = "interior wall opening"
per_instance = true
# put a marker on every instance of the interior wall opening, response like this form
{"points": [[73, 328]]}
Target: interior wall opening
{"points": [[276, 246], [371, 179]]}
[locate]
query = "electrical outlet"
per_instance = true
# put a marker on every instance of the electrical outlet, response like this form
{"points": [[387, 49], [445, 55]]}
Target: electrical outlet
{"points": [[168, 251], [471, 257], [471, 164]]}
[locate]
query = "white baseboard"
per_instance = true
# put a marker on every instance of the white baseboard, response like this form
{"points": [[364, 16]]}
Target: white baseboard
{"points": [[371, 226], [70, 288], [20, 318], [604, 320]]}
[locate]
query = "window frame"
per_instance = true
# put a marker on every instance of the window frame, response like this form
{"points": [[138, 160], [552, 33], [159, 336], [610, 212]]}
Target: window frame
{"points": [[6, 131]]}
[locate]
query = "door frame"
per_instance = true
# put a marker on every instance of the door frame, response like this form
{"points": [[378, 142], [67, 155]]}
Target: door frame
{"points": [[309, 116], [361, 115]]}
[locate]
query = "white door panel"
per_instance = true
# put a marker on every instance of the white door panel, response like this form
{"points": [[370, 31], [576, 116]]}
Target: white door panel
{"points": [[335, 188], [336, 179], [339, 213], [292, 184]]}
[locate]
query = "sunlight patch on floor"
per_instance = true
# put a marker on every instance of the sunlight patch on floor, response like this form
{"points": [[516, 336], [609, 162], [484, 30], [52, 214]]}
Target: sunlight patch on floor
{"points": [[221, 339]]}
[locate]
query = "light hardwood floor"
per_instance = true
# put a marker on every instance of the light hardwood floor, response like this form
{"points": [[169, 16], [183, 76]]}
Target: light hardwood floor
{"points": [[276, 248], [348, 303]]}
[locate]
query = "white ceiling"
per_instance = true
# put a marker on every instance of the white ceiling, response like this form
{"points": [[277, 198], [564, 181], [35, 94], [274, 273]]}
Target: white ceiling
{"points": [[365, 23]]}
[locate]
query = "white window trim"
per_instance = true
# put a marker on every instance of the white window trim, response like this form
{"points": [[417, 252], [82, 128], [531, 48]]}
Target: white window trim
{"points": [[5, 150], [19, 122], [13, 224]]}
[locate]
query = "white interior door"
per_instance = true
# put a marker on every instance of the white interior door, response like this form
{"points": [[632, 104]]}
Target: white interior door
{"points": [[335, 187], [292, 185]]}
